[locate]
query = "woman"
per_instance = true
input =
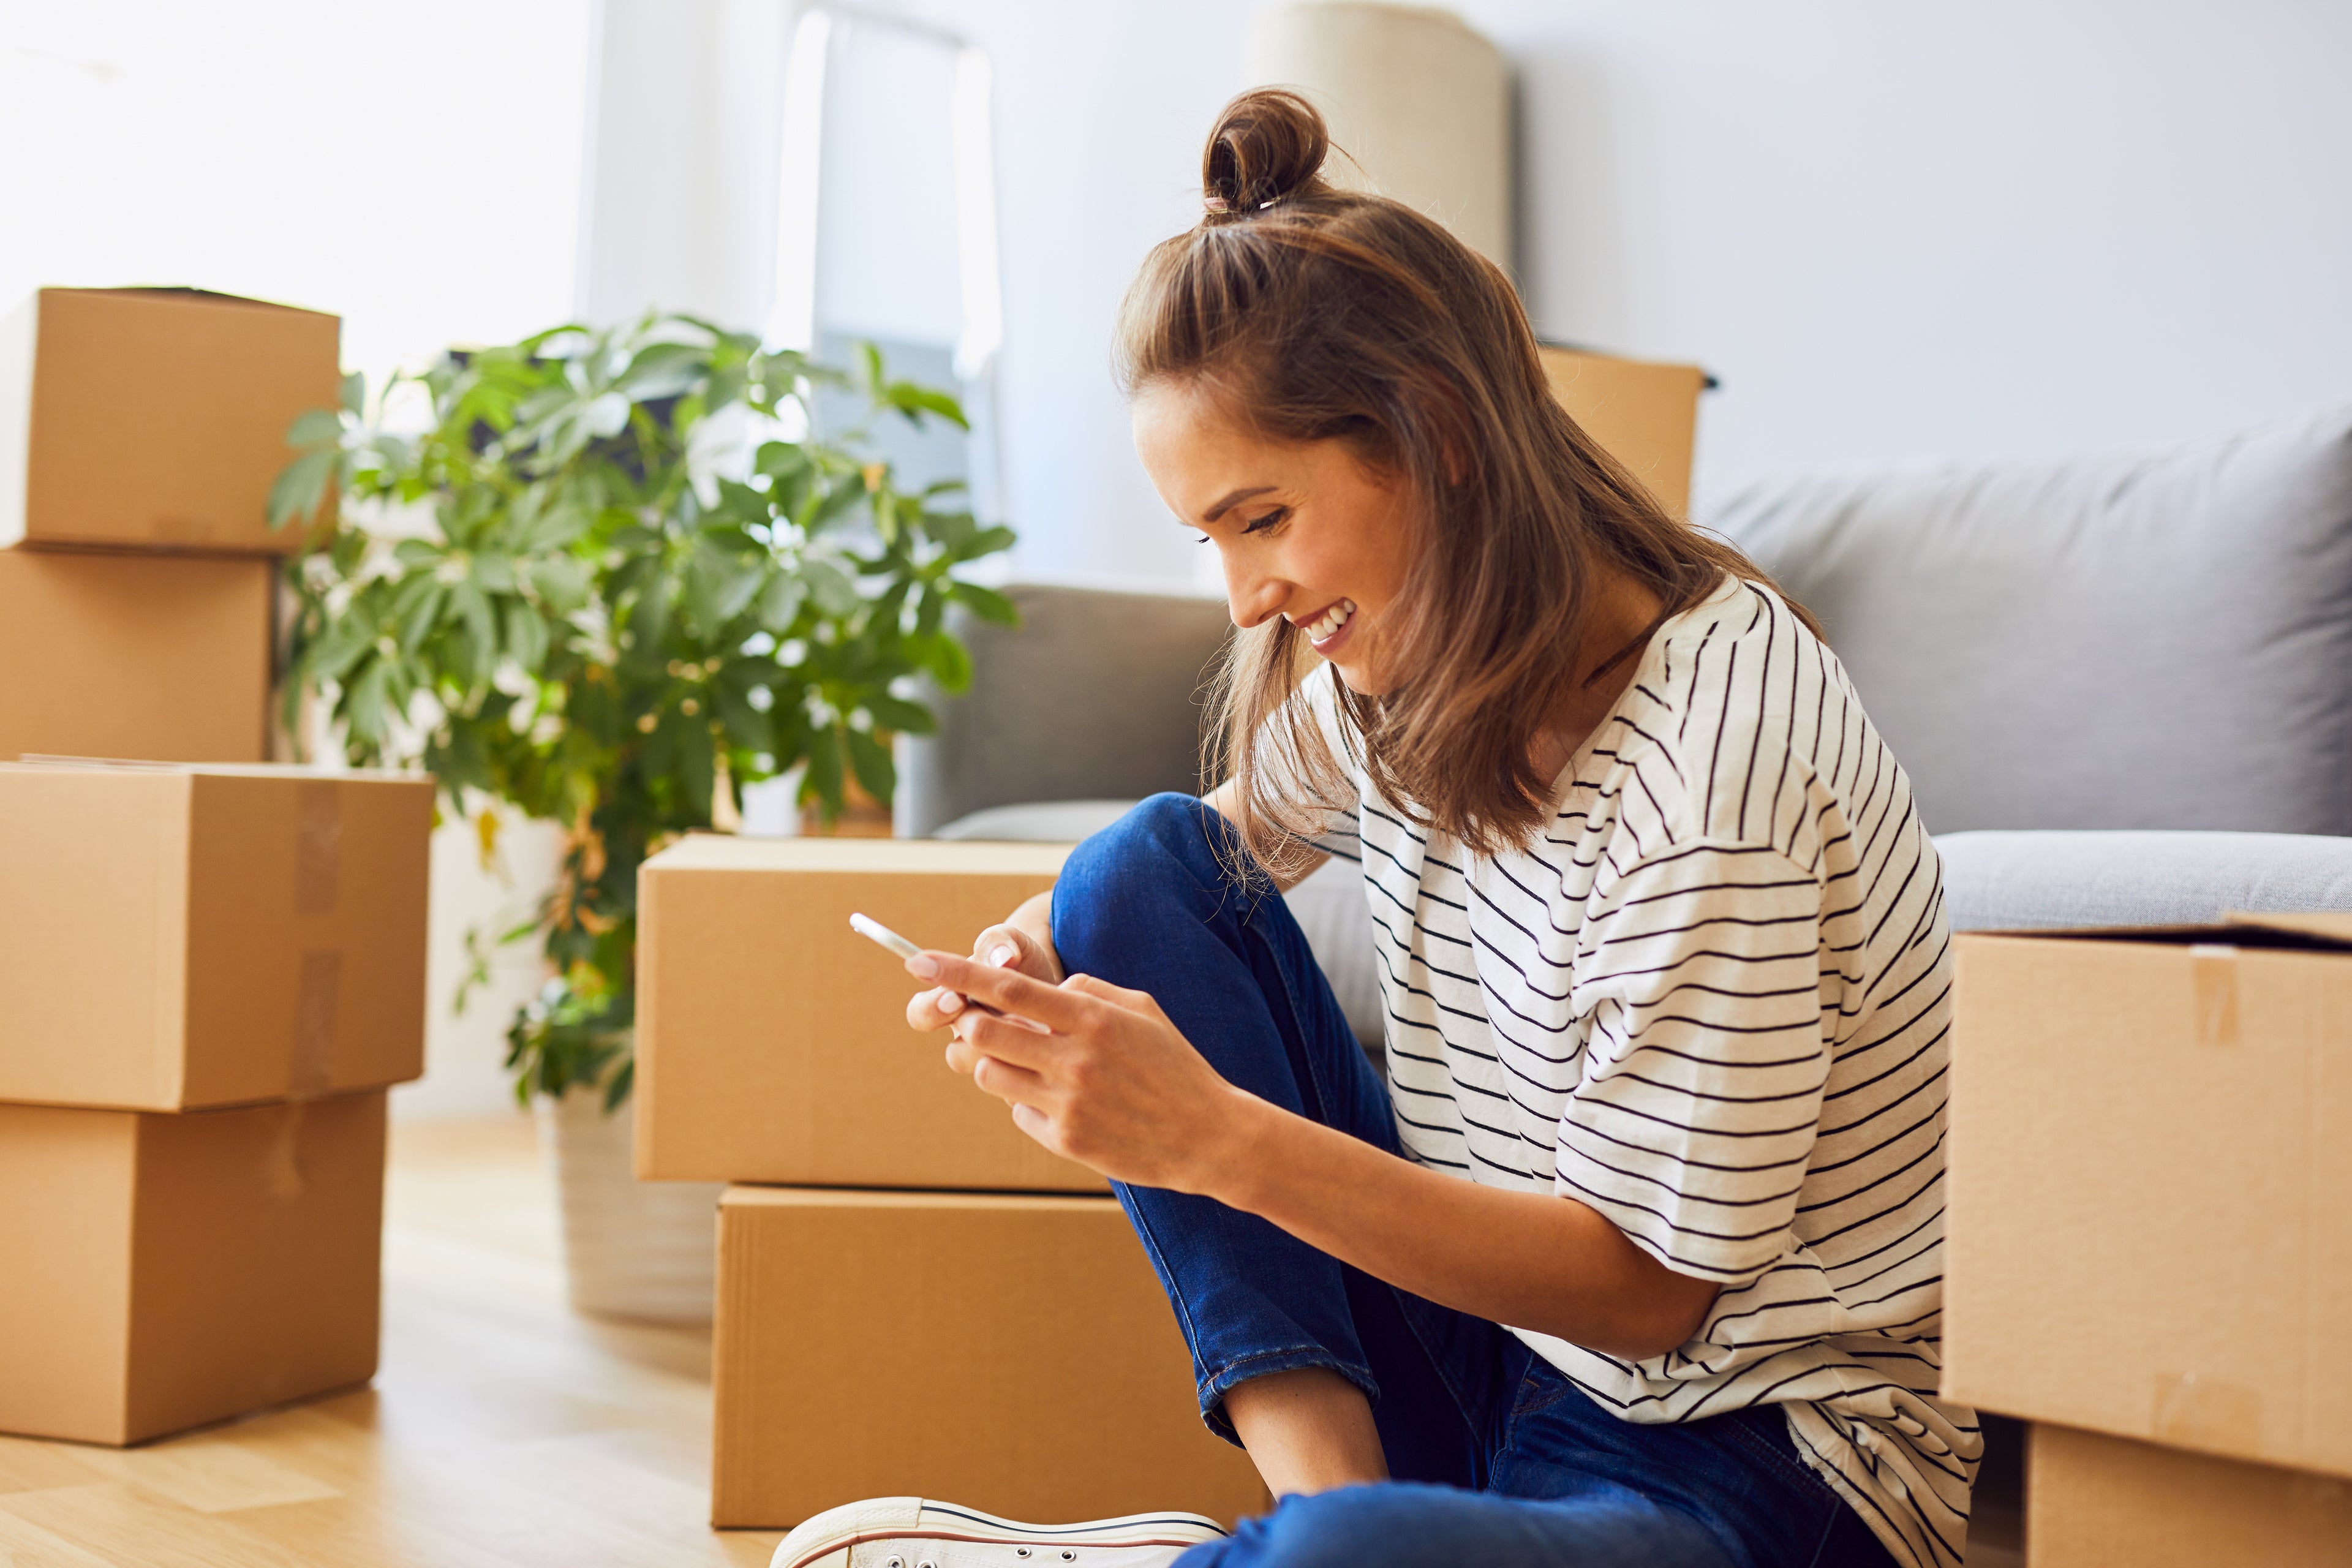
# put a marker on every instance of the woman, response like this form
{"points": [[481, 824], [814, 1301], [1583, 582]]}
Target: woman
{"points": [[1665, 964]]}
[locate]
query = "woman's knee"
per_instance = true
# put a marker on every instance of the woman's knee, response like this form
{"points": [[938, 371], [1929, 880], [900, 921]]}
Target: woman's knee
{"points": [[1155, 865]]}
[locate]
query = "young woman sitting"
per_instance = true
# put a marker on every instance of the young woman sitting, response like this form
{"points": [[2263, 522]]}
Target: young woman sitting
{"points": [[1632, 1261]]}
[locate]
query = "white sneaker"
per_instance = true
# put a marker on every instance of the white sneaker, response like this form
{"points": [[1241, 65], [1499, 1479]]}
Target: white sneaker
{"points": [[914, 1533]]}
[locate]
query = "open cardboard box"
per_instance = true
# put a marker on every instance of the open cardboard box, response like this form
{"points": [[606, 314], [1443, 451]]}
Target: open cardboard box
{"points": [[173, 937], [2149, 1226], [154, 418]]}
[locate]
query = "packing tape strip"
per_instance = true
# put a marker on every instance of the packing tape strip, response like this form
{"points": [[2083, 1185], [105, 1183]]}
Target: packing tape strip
{"points": [[284, 1162], [2200, 1411], [2213, 977], [318, 846], [310, 1068]]}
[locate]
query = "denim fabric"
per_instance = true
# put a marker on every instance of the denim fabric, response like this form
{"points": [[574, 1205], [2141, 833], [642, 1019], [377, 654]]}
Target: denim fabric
{"points": [[1496, 1459]]}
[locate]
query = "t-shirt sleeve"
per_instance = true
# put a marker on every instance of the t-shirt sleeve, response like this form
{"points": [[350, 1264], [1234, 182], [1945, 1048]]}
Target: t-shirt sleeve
{"points": [[1692, 1126]]}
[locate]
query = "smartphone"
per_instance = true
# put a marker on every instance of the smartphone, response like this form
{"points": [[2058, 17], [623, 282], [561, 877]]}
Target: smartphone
{"points": [[874, 931]]}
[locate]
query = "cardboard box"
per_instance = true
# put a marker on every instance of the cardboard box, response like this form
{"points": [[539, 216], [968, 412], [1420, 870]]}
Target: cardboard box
{"points": [[166, 1271], [115, 657], [2147, 1232], [771, 1039], [2105, 1502], [178, 937], [1012, 1354], [1644, 414], [154, 418]]}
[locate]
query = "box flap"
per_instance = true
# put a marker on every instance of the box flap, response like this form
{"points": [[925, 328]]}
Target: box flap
{"points": [[2335, 929], [2316, 929]]}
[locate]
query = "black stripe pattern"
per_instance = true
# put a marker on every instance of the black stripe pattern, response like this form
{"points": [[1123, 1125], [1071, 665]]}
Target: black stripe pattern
{"points": [[1712, 1001]]}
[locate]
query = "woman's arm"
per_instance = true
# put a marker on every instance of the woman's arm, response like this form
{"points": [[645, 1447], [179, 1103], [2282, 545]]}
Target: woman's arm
{"points": [[1106, 1080]]}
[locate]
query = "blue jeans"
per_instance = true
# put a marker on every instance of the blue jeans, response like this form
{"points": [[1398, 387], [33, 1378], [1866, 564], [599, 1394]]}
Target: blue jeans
{"points": [[1497, 1459]]}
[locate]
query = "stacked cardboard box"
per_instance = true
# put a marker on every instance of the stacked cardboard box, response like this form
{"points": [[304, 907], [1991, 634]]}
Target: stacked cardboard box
{"points": [[210, 968], [2149, 1249], [913, 1297]]}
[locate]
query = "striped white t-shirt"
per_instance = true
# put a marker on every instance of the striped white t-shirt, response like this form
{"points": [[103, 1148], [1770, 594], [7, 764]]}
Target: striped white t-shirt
{"points": [[1712, 1001]]}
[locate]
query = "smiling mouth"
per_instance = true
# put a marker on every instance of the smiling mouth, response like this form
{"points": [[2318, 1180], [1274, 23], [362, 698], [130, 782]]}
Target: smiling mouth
{"points": [[1330, 623]]}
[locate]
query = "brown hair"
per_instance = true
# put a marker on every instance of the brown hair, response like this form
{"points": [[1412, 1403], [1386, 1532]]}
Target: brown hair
{"points": [[1316, 314]]}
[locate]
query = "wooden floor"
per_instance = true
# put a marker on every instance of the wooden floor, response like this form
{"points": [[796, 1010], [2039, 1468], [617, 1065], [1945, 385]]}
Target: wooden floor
{"points": [[504, 1431]]}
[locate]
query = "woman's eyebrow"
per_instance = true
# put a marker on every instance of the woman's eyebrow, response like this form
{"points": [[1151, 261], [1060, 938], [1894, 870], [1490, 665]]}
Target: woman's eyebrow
{"points": [[1233, 500]]}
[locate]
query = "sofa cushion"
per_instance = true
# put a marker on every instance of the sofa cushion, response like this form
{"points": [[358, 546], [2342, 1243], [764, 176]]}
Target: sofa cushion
{"points": [[2146, 641], [2017, 881]]}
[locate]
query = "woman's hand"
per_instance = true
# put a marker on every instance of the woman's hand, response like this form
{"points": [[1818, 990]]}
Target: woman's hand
{"points": [[1095, 1073], [1023, 943]]}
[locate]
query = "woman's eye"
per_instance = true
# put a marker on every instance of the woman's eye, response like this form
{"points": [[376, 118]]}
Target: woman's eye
{"points": [[1259, 524]]}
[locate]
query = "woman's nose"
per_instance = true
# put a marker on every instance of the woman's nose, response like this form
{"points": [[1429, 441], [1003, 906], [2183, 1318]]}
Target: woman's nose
{"points": [[1251, 599]]}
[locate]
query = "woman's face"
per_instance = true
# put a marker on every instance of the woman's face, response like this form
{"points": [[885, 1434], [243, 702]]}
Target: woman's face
{"points": [[1304, 531]]}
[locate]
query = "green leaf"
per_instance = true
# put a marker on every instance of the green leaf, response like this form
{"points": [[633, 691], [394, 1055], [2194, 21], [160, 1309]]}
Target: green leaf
{"points": [[354, 394], [698, 770], [834, 590], [823, 777], [950, 664], [419, 607], [914, 402], [870, 760], [300, 488], [526, 637], [986, 603], [897, 713], [560, 582], [780, 602], [481, 629], [316, 427]]}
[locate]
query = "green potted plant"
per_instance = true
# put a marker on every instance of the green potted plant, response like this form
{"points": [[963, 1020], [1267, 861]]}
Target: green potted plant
{"points": [[606, 578]]}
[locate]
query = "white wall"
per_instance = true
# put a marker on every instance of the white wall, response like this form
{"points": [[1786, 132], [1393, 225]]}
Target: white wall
{"points": [[2007, 227]]}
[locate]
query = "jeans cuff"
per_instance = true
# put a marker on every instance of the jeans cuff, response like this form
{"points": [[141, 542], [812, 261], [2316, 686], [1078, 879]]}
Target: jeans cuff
{"points": [[1265, 1363]]}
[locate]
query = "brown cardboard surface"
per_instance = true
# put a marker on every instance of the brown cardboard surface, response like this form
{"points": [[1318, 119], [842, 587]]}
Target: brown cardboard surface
{"points": [[1644, 414], [166, 1271], [771, 1039], [121, 657], [175, 937], [1012, 1354], [154, 418], [2094, 1501], [2146, 1233]]}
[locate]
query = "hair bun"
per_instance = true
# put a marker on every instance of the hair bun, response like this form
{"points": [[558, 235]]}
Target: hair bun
{"points": [[1268, 144]]}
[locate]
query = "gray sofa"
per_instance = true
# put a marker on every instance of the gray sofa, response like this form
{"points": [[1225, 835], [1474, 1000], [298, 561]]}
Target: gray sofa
{"points": [[2122, 685]]}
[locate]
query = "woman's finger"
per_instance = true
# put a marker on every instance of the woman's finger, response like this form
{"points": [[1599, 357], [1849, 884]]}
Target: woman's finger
{"points": [[934, 1009], [1013, 1040], [1006, 990], [1007, 1082]]}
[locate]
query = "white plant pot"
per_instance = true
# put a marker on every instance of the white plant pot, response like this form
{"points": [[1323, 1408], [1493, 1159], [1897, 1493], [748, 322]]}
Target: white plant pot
{"points": [[631, 1248]]}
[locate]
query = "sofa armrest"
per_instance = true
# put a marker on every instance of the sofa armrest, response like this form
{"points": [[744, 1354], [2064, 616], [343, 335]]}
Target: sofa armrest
{"points": [[1097, 695]]}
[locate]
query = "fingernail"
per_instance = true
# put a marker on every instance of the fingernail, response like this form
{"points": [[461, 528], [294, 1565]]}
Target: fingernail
{"points": [[923, 966], [1003, 956], [948, 1002]]}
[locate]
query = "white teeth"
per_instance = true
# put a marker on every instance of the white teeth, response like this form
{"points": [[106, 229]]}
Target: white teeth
{"points": [[1328, 623]]}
